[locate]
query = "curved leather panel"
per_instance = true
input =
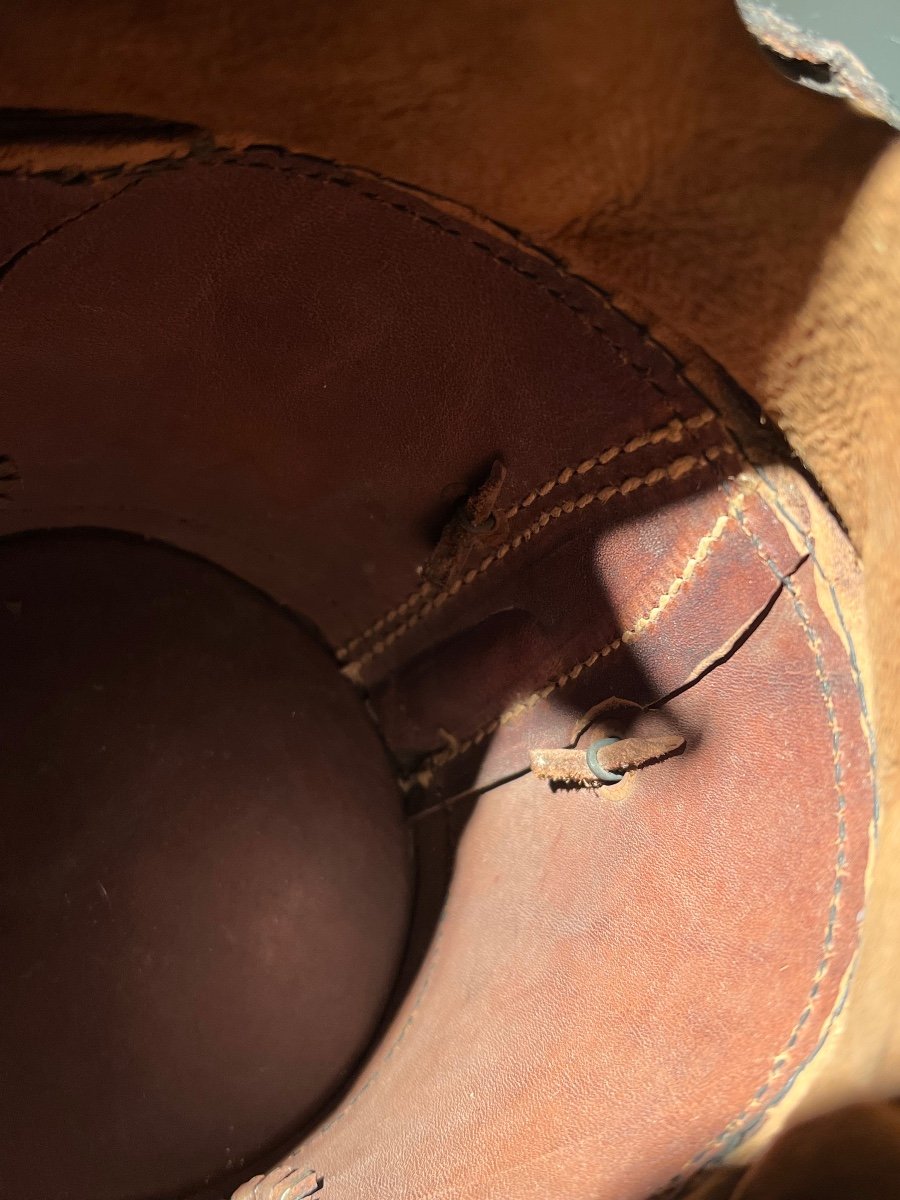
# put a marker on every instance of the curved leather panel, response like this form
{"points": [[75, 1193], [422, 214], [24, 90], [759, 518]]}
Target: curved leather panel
{"points": [[203, 872], [323, 366]]}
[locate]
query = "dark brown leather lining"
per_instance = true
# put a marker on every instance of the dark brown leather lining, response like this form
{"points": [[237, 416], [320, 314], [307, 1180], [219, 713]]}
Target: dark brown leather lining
{"points": [[204, 874]]}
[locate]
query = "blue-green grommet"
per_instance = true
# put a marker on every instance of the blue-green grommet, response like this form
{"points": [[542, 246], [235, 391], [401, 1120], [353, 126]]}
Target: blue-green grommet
{"points": [[601, 772]]}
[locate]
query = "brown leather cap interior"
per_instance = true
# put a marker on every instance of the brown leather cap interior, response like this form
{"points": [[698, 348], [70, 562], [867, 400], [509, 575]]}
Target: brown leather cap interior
{"points": [[519, 523]]}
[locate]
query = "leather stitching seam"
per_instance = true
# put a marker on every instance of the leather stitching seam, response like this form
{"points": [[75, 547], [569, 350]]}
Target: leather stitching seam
{"points": [[782, 1060], [679, 371], [354, 179], [357, 179], [459, 746], [675, 470], [704, 546], [673, 432]]}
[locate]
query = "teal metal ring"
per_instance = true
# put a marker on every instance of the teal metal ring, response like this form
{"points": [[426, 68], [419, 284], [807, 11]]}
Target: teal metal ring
{"points": [[601, 772]]}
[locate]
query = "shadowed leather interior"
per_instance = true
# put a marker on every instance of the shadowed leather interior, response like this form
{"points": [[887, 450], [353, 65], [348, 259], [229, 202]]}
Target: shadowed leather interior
{"points": [[205, 874], [304, 374]]}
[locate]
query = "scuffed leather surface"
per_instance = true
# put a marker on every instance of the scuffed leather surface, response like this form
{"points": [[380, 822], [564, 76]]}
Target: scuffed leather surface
{"points": [[298, 371]]}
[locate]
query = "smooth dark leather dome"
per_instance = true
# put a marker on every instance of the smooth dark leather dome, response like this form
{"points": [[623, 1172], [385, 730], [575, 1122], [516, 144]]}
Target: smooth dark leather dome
{"points": [[204, 871], [299, 372]]}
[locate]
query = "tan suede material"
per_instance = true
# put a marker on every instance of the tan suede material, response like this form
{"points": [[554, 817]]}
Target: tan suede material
{"points": [[854, 1152], [650, 147]]}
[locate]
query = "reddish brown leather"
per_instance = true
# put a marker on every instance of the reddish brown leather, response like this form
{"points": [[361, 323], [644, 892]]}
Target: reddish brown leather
{"points": [[635, 572], [289, 369], [300, 371], [203, 872], [625, 980]]}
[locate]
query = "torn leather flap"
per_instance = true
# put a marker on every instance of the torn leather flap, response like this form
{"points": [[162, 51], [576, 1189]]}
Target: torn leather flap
{"points": [[613, 756]]}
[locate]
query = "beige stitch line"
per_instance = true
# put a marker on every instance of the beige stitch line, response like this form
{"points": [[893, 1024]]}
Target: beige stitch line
{"points": [[672, 432], [673, 471], [782, 1060], [459, 746]]}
